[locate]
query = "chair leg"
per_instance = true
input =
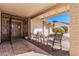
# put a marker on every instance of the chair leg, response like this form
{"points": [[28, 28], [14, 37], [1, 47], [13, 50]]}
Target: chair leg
{"points": [[53, 43], [47, 40], [60, 45], [38, 39], [43, 40]]}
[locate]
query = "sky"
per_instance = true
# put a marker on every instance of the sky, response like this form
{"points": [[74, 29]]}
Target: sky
{"points": [[64, 17]]}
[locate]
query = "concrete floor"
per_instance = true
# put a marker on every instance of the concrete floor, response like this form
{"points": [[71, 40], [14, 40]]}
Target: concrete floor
{"points": [[18, 46], [21, 46], [65, 42]]}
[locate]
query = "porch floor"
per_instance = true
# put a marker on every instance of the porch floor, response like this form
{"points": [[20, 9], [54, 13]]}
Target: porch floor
{"points": [[20, 46], [17, 47]]}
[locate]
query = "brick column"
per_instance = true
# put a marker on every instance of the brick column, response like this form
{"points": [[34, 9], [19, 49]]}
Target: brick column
{"points": [[0, 26], [74, 29]]}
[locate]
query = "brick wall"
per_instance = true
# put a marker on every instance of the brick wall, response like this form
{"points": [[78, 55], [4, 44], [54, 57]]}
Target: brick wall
{"points": [[74, 29]]}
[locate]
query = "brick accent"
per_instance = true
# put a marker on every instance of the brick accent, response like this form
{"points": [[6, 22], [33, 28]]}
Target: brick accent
{"points": [[74, 29]]}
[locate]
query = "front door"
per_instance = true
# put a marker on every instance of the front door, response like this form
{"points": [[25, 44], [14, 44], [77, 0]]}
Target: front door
{"points": [[16, 30]]}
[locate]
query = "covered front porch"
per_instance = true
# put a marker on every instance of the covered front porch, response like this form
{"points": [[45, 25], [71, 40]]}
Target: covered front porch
{"points": [[17, 25]]}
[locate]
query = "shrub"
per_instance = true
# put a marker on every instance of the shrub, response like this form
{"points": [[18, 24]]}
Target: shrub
{"points": [[58, 30], [65, 28]]}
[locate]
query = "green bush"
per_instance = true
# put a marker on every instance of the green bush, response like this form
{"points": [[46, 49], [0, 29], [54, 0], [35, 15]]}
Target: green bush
{"points": [[58, 30], [65, 28]]}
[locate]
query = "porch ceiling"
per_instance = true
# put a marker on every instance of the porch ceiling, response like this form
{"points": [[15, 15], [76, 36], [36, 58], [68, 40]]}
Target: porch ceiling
{"points": [[24, 9], [57, 9]]}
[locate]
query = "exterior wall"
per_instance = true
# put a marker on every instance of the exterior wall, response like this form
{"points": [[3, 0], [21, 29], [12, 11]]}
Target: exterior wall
{"points": [[0, 26], [74, 29], [5, 28]]}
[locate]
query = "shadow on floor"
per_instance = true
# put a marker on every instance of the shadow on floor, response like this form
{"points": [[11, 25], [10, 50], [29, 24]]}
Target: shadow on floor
{"points": [[17, 47], [47, 48]]}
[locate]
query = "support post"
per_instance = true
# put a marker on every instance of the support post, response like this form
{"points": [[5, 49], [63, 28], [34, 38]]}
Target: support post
{"points": [[29, 28], [10, 27], [48, 32], [43, 31], [0, 26]]}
